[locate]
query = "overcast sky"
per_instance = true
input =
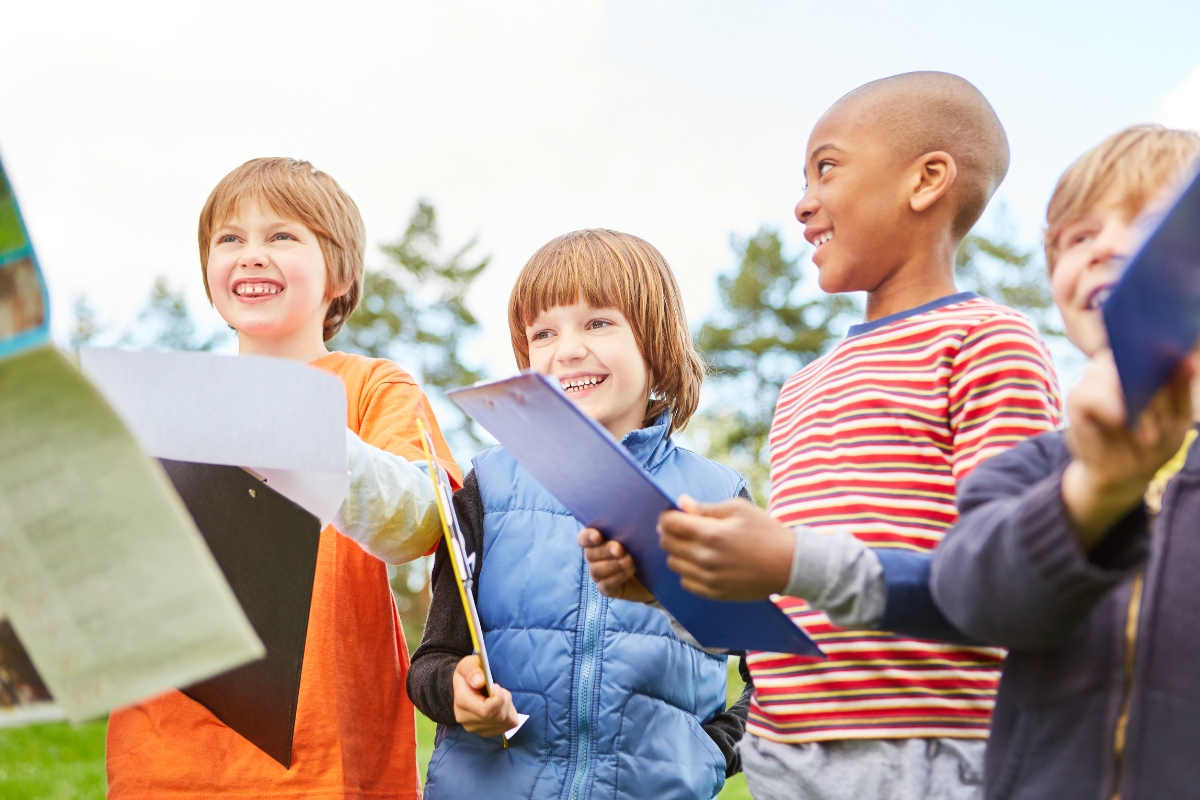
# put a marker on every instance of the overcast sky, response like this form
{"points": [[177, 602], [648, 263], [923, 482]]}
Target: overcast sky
{"points": [[678, 121]]}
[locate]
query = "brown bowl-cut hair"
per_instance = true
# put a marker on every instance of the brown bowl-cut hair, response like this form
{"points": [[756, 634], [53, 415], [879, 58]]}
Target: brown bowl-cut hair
{"points": [[1135, 163], [297, 190], [608, 269]]}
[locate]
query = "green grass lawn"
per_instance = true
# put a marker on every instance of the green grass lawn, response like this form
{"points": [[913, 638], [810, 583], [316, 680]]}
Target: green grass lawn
{"points": [[60, 761]]}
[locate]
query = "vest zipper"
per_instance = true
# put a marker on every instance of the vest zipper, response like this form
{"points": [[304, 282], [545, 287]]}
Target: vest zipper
{"points": [[587, 678], [1131, 633]]}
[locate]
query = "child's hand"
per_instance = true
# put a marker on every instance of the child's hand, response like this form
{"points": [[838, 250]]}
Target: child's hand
{"points": [[727, 551], [473, 709], [612, 568], [1113, 464]]}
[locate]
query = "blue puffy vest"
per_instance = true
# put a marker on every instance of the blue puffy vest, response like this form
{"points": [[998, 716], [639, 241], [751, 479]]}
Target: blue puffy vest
{"points": [[615, 699]]}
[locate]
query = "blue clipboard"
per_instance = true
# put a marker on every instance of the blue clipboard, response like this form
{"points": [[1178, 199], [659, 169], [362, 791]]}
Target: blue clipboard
{"points": [[1153, 313], [597, 480]]}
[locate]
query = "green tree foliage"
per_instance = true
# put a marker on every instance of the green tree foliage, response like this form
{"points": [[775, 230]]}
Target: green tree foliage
{"points": [[164, 322], [770, 322], [767, 326], [414, 310], [999, 270]]}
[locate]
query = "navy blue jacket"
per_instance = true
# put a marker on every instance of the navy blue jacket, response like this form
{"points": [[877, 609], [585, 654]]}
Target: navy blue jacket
{"points": [[1099, 695]]}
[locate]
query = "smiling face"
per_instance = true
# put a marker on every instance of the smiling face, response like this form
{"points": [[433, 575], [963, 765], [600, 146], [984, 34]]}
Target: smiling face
{"points": [[593, 353], [268, 279], [853, 206], [1091, 251]]}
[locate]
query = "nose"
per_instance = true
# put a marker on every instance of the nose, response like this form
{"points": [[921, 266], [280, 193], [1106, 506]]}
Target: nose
{"points": [[806, 208], [571, 347], [1109, 246], [252, 256]]}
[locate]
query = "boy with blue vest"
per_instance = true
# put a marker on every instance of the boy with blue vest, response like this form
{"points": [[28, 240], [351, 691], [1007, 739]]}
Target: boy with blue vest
{"points": [[620, 703]]}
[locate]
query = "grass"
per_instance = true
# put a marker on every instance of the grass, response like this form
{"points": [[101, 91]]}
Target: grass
{"points": [[60, 761], [57, 761]]}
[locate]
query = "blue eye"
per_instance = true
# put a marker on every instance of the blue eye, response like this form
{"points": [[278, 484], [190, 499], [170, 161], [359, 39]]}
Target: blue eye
{"points": [[227, 238], [287, 236]]}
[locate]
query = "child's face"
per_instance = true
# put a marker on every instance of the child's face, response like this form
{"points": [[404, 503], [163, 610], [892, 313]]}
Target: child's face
{"points": [[853, 206], [593, 352], [267, 277], [1092, 250]]}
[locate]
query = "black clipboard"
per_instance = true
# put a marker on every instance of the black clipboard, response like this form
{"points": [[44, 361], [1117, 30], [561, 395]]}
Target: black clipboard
{"points": [[267, 547]]}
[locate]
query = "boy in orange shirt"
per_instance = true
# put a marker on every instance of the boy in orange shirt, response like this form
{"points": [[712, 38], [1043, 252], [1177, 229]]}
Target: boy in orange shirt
{"points": [[281, 249]]}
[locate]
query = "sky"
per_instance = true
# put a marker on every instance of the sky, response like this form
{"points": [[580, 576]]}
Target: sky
{"points": [[681, 122]]}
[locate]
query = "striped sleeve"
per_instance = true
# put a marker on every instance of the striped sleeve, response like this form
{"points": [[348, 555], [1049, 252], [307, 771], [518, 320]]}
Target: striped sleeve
{"points": [[1002, 390]]}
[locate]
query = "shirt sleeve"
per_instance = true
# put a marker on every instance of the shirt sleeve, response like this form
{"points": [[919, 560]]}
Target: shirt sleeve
{"points": [[389, 422], [390, 507], [1002, 391], [727, 728], [447, 637], [1011, 571]]}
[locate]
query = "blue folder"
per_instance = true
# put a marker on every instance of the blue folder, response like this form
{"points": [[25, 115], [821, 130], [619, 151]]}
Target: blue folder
{"points": [[1153, 314], [597, 480]]}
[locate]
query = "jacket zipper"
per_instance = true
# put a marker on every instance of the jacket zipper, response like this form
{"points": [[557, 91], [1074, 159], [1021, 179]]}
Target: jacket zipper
{"points": [[587, 678], [1153, 498], [1131, 633]]}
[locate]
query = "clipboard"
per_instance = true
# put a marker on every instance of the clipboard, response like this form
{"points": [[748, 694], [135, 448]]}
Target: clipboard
{"points": [[598, 481], [267, 547], [1153, 313], [463, 567]]}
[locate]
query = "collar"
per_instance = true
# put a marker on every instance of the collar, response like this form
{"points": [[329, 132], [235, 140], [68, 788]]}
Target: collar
{"points": [[932, 305], [650, 445], [1192, 461]]}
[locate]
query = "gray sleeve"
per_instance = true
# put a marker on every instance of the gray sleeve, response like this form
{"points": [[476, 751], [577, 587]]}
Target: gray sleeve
{"points": [[839, 575]]}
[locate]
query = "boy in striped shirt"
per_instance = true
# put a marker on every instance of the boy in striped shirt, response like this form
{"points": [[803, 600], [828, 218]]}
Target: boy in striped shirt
{"points": [[869, 442]]}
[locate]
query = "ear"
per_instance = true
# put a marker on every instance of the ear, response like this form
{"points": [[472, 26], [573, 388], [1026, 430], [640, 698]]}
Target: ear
{"points": [[934, 175]]}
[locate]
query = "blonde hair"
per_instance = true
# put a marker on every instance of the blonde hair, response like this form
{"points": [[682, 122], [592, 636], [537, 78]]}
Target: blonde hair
{"points": [[607, 269], [297, 190], [1135, 162]]}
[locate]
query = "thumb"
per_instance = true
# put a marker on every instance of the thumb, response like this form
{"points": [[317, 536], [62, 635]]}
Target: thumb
{"points": [[726, 508]]}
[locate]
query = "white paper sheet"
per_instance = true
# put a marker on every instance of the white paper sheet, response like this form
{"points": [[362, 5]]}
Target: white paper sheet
{"points": [[106, 581], [282, 420]]}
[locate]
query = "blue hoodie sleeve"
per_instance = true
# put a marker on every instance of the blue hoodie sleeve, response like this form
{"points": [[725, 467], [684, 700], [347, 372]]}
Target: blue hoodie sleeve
{"points": [[910, 609], [1011, 571]]}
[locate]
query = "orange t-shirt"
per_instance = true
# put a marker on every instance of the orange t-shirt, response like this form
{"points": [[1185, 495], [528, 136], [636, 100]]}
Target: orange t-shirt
{"points": [[355, 731]]}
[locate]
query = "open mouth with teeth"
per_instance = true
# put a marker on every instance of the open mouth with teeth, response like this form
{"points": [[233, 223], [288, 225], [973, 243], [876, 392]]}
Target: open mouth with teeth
{"points": [[1097, 297], [821, 239], [256, 289], [582, 383]]}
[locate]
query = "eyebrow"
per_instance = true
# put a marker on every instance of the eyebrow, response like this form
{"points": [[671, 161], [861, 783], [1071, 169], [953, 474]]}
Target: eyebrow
{"points": [[822, 148]]}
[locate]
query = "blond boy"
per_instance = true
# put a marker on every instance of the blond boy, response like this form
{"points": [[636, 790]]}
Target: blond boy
{"points": [[281, 253]]}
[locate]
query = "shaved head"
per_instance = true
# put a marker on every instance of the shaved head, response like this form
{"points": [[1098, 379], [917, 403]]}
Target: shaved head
{"points": [[923, 112]]}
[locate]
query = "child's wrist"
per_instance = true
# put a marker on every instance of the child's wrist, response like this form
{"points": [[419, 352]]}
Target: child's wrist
{"points": [[1095, 503]]}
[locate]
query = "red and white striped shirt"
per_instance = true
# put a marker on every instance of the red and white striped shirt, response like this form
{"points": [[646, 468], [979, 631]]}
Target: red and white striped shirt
{"points": [[872, 438]]}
